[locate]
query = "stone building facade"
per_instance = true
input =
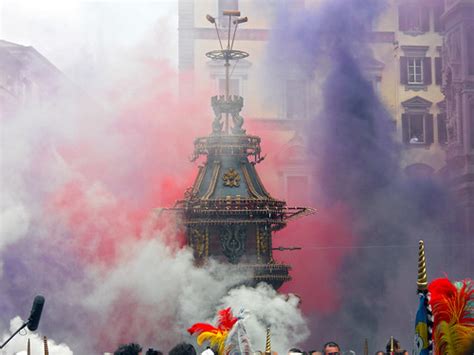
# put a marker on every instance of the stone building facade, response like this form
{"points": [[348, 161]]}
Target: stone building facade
{"points": [[458, 88]]}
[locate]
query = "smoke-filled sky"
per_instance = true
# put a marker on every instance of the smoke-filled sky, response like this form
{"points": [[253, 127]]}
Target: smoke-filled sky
{"points": [[82, 176], [86, 36]]}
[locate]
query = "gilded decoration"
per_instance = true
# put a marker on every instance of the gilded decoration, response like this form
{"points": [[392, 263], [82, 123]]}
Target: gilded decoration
{"points": [[262, 243], [200, 240], [231, 178]]}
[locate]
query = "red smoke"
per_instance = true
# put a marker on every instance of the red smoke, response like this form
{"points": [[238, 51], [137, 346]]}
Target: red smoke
{"points": [[325, 237], [130, 164], [137, 160]]}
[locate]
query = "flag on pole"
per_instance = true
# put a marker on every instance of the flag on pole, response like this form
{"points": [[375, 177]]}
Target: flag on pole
{"points": [[422, 327], [424, 316]]}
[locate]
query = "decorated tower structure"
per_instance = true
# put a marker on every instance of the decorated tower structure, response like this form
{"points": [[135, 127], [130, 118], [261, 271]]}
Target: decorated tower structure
{"points": [[228, 214]]}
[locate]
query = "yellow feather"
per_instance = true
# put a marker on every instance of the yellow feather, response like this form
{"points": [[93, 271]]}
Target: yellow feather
{"points": [[453, 339], [215, 339]]}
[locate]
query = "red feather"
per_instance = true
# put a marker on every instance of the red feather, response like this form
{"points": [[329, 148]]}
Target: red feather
{"points": [[452, 315], [441, 292], [202, 327], [226, 319]]}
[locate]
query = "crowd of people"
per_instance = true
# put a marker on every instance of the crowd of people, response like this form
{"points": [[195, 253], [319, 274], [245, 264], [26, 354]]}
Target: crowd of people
{"points": [[330, 348]]}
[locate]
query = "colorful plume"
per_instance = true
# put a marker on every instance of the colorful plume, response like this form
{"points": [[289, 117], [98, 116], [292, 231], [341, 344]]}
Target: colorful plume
{"points": [[453, 312], [216, 336]]}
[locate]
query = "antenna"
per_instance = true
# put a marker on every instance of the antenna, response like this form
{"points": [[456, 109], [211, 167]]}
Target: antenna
{"points": [[228, 52], [287, 248]]}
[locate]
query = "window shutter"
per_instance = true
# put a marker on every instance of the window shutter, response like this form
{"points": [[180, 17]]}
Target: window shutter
{"points": [[438, 69], [402, 18], [442, 133], [427, 71], [405, 118], [425, 19], [428, 128], [403, 70]]}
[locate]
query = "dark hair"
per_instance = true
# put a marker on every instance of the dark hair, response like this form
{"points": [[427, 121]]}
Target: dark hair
{"points": [[128, 349], [294, 350], [332, 344], [183, 349], [151, 351], [396, 345]]}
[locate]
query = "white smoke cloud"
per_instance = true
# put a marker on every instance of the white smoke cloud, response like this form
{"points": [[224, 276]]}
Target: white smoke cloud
{"points": [[165, 282], [14, 223], [168, 282], [18, 345], [267, 308]]}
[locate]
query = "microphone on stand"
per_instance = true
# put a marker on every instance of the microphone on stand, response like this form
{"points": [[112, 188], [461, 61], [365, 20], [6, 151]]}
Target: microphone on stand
{"points": [[35, 314], [33, 320]]}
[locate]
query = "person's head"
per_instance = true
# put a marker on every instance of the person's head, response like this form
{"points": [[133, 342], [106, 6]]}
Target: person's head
{"points": [[314, 352], [379, 353], [129, 349], [153, 352], [331, 348], [396, 345], [294, 351], [183, 349]]}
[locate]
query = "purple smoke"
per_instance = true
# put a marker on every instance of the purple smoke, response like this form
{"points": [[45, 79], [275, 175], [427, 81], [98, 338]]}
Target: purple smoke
{"points": [[357, 159]]}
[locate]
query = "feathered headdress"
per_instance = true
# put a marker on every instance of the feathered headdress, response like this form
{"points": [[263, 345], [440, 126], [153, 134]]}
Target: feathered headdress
{"points": [[215, 335], [453, 312]]}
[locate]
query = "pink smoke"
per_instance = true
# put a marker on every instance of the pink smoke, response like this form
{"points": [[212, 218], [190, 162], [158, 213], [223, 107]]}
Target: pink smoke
{"points": [[325, 237]]}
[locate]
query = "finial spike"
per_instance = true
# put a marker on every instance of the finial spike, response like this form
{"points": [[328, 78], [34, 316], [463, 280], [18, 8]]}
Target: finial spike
{"points": [[28, 347], [392, 349], [268, 343], [46, 350], [422, 281]]}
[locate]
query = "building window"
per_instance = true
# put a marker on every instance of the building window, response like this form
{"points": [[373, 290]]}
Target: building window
{"points": [[415, 70], [234, 86], [296, 99], [417, 128], [373, 70], [413, 19], [417, 122]]}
